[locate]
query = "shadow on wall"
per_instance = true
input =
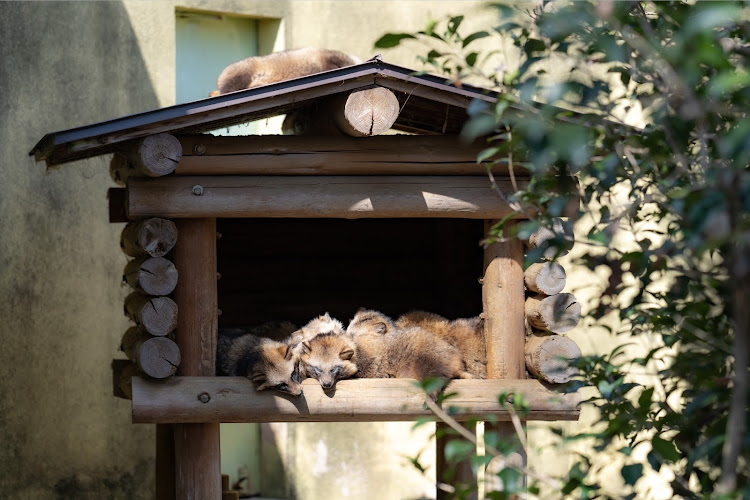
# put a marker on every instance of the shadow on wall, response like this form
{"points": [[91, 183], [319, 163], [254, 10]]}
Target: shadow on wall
{"points": [[64, 64]]}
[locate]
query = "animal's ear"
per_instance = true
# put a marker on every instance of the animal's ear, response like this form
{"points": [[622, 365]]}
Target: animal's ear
{"points": [[288, 353], [306, 347], [296, 337], [327, 317], [380, 327], [346, 354], [360, 310]]}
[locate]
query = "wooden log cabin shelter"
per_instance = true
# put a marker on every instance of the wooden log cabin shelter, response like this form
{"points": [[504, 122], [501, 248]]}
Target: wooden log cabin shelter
{"points": [[289, 227]]}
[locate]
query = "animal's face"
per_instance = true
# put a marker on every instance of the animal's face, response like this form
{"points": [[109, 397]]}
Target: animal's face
{"points": [[277, 369], [328, 358], [368, 322]]}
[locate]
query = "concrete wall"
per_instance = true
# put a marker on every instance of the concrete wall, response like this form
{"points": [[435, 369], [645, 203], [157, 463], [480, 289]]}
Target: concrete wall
{"points": [[66, 64], [63, 434]]}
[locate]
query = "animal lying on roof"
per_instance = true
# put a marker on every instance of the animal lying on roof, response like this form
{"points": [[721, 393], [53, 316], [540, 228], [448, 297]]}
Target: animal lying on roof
{"points": [[279, 66]]}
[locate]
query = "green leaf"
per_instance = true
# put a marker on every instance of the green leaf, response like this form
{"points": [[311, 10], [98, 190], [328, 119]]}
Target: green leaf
{"points": [[666, 449], [728, 81], [454, 23], [458, 449], [534, 45], [487, 153], [632, 473], [432, 385], [429, 28], [471, 59], [714, 15], [422, 421], [511, 479], [475, 36], [644, 400], [478, 126], [624, 74], [392, 40]]}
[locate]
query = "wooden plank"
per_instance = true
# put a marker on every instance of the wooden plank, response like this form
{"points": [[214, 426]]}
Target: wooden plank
{"points": [[330, 155], [197, 445], [348, 197], [234, 399]]}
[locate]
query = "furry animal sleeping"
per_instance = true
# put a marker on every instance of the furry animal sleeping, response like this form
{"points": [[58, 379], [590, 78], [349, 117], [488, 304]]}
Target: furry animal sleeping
{"points": [[279, 66], [466, 334], [268, 363], [386, 350], [276, 355], [328, 358]]}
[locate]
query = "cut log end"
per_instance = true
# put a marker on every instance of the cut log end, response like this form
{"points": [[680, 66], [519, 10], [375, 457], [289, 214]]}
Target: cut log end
{"points": [[557, 313], [542, 236], [156, 155], [123, 371], [154, 276], [368, 112], [153, 237], [158, 357], [547, 278], [548, 357], [120, 169], [156, 315]]}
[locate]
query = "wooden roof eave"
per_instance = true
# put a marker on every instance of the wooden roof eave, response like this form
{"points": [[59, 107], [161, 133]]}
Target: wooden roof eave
{"points": [[247, 105]]}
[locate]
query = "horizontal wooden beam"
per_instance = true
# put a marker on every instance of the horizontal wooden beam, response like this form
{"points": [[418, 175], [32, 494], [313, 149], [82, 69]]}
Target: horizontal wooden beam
{"points": [[331, 155], [348, 197], [234, 399]]}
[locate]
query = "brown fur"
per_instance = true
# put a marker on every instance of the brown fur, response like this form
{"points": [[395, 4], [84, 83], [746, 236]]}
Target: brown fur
{"points": [[328, 358], [269, 364], [279, 66], [387, 350], [317, 326], [466, 334]]}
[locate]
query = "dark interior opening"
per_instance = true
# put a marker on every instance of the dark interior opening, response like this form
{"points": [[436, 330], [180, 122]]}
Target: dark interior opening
{"points": [[296, 269]]}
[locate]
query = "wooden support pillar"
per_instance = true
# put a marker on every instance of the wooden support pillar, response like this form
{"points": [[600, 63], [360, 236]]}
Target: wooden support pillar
{"points": [[197, 448], [504, 326]]}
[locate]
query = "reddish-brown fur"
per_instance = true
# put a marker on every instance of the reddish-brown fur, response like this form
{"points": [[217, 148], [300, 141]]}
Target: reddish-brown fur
{"points": [[466, 334], [328, 358], [279, 66], [386, 350], [268, 363]]}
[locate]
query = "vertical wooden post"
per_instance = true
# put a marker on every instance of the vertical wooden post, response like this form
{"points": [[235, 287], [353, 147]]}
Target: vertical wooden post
{"points": [[197, 448], [503, 301]]}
